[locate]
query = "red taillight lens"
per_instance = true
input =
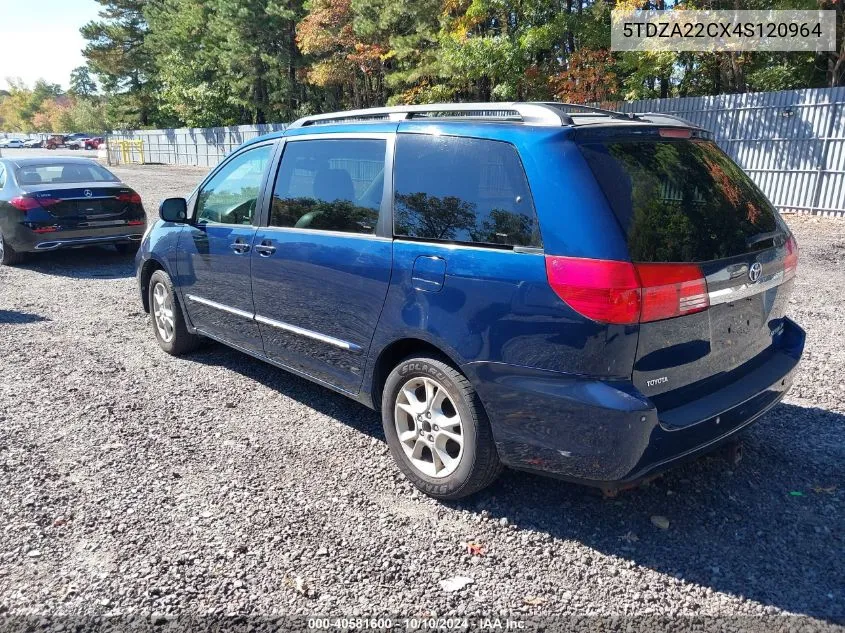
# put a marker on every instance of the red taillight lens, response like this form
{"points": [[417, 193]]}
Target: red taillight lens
{"points": [[130, 197], [601, 290], [135, 222], [625, 293], [670, 290], [24, 204], [790, 262]]}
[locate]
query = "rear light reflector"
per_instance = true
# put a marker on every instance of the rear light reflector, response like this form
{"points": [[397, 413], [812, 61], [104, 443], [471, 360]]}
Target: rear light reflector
{"points": [[790, 262], [625, 293], [45, 229], [135, 222], [131, 197]]}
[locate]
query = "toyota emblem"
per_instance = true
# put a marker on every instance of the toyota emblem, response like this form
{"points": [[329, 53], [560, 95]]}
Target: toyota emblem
{"points": [[754, 272], [87, 193]]}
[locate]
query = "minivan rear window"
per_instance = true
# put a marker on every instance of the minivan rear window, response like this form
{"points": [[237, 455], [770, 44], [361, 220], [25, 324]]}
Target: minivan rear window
{"points": [[682, 200]]}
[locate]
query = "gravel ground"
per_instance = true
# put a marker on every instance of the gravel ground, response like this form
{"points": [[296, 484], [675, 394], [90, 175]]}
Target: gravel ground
{"points": [[133, 483]]}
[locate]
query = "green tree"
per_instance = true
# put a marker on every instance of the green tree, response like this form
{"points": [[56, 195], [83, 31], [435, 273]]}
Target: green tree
{"points": [[81, 82], [117, 54]]}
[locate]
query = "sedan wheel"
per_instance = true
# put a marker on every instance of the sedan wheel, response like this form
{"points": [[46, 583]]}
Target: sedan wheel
{"points": [[8, 255]]}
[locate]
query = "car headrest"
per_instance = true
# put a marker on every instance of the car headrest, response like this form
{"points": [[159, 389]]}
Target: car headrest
{"points": [[29, 178], [333, 184]]}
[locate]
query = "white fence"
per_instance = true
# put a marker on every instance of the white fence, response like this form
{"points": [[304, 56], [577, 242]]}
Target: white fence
{"points": [[201, 147]]}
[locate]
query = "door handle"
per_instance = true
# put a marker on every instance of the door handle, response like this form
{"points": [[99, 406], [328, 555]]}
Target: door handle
{"points": [[265, 249], [239, 247]]}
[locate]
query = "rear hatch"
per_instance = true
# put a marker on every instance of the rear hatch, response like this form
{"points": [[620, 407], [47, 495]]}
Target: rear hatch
{"points": [[689, 211]]}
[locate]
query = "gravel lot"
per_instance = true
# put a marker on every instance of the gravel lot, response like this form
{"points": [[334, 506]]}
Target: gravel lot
{"points": [[215, 485]]}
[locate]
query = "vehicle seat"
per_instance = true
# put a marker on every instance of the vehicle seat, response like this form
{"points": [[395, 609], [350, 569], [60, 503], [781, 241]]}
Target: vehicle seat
{"points": [[29, 178], [74, 173], [329, 185]]}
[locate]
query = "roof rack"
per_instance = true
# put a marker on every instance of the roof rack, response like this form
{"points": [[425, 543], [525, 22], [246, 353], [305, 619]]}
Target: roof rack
{"points": [[533, 113]]}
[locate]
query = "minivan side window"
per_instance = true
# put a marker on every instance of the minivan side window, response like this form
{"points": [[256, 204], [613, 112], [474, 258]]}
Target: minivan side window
{"points": [[330, 185], [2, 177], [231, 194], [462, 190]]}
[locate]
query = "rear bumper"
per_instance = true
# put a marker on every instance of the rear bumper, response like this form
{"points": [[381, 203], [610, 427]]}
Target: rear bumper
{"points": [[606, 433], [51, 245], [25, 240]]}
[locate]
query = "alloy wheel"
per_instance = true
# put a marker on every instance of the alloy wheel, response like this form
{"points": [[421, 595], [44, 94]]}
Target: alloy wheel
{"points": [[163, 312], [429, 427]]}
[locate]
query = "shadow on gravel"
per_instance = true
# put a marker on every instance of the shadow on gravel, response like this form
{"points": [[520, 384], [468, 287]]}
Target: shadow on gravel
{"points": [[770, 529], [319, 398], [15, 317], [92, 262]]}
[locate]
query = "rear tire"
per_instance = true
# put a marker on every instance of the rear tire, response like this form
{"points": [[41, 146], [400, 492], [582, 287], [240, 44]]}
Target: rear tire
{"points": [[8, 255], [437, 430], [167, 318]]}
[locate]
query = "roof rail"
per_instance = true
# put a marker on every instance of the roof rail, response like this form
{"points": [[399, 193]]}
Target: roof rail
{"points": [[533, 113], [594, 110]]}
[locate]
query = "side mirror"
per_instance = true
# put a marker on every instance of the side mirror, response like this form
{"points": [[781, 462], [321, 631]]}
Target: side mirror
{"points": [[174, 210]]}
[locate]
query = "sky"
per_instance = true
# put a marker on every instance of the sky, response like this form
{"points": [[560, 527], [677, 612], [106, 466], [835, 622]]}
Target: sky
{"points": [[40, 38]]}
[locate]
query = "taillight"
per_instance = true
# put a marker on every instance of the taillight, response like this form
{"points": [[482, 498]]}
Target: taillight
{"points": [[601, 290], [674, 132], [24, 204], [790, 262], [135, 222], [626, 293], [130, 197], [670, 290]]}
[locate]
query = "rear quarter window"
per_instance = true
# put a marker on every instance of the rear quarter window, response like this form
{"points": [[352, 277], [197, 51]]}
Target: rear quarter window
{"points": [[462, 190], [682, 201]]}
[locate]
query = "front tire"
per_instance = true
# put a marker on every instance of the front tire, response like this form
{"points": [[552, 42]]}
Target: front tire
{"points": [[166, 314], [8, 255], [437, 430]]}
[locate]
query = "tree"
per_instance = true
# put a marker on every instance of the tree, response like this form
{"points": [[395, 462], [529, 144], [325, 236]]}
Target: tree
{"points": [[81, 82], [117, 54]]}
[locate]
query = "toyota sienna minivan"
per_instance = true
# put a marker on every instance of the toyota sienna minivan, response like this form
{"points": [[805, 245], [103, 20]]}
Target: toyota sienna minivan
{"points": [[572, 291]]}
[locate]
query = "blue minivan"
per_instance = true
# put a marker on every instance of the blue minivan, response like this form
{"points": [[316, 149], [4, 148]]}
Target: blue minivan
{"points": [[572, 291]]}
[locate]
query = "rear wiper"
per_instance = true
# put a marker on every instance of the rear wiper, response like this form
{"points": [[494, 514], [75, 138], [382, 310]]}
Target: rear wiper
{"points": [[761, 237]]}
